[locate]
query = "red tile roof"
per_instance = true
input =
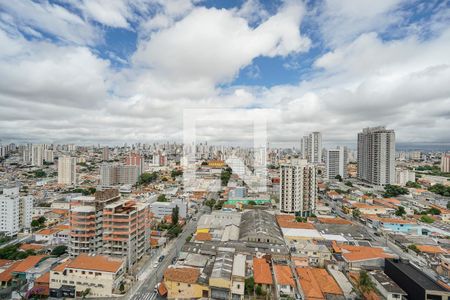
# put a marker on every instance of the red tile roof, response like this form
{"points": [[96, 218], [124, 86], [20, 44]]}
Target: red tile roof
{"points": [[186, 275], [100, 263], [28, 263], [261, 271], [283, 275]]}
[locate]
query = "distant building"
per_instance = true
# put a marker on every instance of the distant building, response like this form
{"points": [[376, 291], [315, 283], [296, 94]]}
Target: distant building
{"points": [[402, 176], [48, 156], [37, 155], [134, 159], [311, 147], [376, 155], [67, 170], [336, 162], [105, 153], [161, 209], [298, 188], [116, 174], [445, 163], [16, 212]]}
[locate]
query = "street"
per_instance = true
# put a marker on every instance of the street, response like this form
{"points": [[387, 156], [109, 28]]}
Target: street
{"points": [[144, 287]]}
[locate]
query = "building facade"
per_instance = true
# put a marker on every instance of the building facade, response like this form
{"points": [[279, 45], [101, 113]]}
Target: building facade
{"points": [[445, 163], [16, 212], [336, 162], [67, 170], [298, 188], [376, 155]]}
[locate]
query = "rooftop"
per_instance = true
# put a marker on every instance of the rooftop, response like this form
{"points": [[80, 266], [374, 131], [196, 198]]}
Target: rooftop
{"points": [[261, 271], [96, 262], [283, 275], [186, 275], [316, 283], [387, 282]]}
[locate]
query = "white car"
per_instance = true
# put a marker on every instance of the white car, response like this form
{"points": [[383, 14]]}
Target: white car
{"points": [[155, 265]]}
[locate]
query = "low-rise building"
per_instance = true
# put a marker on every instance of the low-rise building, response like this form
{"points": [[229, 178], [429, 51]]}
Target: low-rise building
{"points": [[262, 274], [184, 283], [386, 286], [100, 275], [284, 280], [317, 284]]}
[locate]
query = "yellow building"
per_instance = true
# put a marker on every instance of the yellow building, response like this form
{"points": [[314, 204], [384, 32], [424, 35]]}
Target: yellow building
{"points": [[216, 163], [183, 283]]}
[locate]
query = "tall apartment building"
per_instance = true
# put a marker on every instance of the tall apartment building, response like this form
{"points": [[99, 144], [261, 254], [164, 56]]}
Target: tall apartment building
{"points": [[86, 221], [376, 155], [105, 153], [37, 155], [134, 159], [114, 174], [311, 147], [298, 188], [15, 212], [336, 162], [26, 153], [67, 170], [445, 163], [126, 230], [48, 156]]}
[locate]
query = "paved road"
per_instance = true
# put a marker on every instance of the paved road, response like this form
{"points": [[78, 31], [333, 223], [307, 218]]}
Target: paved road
{"points": [[144, 289], [15, 241]]}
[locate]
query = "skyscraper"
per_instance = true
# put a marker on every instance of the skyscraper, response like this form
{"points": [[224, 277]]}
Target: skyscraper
{"points": [[67, 172], [336, 162], [37, 155], [311, 147], [105, 153], [298, 188], [376, 155]]}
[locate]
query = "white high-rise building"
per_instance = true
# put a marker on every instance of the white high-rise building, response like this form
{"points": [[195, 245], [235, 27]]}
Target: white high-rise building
{"points": [[298, 188], [67, 170], [37, 155], [15, 212], [311, 147], [376, 155], [114, 174], [48, 156], [336, 162]]}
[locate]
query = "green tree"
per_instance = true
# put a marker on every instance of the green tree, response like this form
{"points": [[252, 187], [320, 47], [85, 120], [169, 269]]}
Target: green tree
{"points": [[413, 248], [412, 184], [175, 215], [394, 191], [448, 204], [301, 219], [400, 211], [364, 283], [356, 213], [41, 220], [258, 290], [147, 178], [225, 176], [85, 293], [434, 211], [440, 189], [175, 173], [349, 183], [249, 286], [59, 250], [162, 198], [39, 174], [338, 177], [426, 219], [251, 202], [210, 203]]}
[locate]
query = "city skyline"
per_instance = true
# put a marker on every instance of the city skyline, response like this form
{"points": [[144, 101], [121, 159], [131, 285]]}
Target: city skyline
{"points": [[74, 74]]}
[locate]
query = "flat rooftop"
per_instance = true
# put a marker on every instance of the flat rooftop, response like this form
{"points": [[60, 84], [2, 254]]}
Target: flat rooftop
{"points": [[418, 276]]}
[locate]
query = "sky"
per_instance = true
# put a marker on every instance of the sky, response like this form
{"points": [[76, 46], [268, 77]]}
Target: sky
{"points": [[114, 71]]}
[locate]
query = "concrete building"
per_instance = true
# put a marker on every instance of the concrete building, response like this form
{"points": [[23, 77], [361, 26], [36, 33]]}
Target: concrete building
{"points": [[105, 153], [445, 163], [376, 155], [298, 188], [67, 170], [37, 155], [86, 221], [402, 176], [16, 212], [102, 275], [386, 286], [115, 174], [311, 147], [161, 209], [48, 156], [126, 230], [134, 159], [336, 162]]}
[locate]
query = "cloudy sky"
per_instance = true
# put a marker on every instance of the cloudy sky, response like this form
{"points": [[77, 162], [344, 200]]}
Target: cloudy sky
{"points": [[114, 71]]}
